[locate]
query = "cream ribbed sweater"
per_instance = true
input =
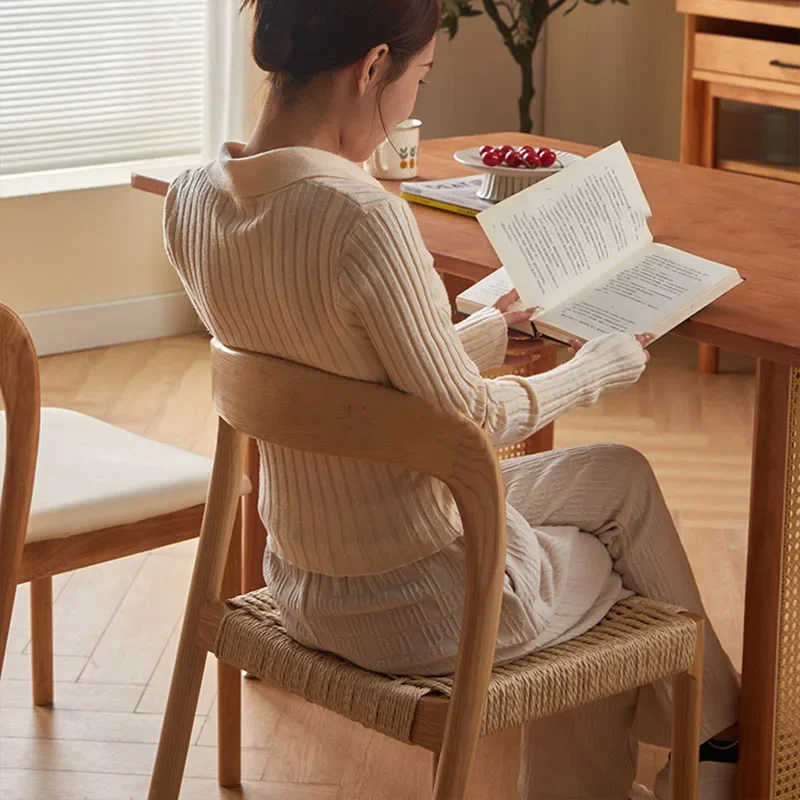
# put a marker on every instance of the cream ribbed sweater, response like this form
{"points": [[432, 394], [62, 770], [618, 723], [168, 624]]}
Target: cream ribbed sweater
{"points": [[300, 254]]}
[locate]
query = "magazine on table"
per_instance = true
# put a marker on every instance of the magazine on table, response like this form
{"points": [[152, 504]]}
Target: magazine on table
{"points": [[458, 195]]}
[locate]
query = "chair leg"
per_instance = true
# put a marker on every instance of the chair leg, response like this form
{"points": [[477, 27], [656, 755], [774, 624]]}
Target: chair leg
{"points": [[254, 535], [229, 683], [177, 728], [686, 724], [42, 640], [435, 755], [214, 545]]}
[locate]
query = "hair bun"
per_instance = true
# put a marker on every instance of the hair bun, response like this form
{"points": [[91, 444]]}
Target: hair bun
{"points": [[273, 39], [296, 40]]}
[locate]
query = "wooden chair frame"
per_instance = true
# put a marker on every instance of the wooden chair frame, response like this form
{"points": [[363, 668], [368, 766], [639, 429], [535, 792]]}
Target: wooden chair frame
{"points": [[41, 560], [19, 385], [298, 407], [304, 409], [37, 562]]}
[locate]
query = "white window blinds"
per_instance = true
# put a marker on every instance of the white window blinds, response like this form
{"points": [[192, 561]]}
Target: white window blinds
{"points": [[85, 84]]}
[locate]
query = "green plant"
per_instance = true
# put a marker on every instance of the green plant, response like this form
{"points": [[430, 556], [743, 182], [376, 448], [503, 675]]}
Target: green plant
{"points": [[520, 23]]}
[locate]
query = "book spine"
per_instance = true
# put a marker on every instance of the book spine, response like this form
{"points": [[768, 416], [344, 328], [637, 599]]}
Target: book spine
{"points": [[426, 201]]}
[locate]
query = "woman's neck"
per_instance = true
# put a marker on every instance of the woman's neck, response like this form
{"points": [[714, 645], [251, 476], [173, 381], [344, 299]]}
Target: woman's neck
{"points": [[304, 123]]}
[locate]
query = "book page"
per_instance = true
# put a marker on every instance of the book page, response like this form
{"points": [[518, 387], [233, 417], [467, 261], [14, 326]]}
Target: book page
{"points": [[561, 233], [487, 291], [651, 293]]}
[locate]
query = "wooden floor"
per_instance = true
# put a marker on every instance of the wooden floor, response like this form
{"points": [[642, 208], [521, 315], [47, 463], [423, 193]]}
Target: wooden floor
{"points": [[117, 624]]}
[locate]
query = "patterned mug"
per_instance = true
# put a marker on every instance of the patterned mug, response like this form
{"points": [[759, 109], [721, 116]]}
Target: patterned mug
{"points": [[396, 158]]}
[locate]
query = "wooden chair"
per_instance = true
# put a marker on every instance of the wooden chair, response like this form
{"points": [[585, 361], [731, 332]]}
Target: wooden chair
{"points": [[19, 389], [294, 406], [100, 493]]}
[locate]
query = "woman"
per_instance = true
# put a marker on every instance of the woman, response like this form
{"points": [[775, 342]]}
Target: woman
{"points": [[286, 246]]}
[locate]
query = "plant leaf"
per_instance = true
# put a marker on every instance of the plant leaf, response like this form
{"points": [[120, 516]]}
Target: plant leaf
{"points": [[453, 10]]}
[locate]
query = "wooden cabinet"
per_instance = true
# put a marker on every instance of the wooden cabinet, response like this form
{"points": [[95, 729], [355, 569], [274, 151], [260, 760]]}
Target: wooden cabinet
{"points": [[741, 94], [738, 59]]}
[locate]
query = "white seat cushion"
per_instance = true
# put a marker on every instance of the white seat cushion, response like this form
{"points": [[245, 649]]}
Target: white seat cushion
{"points": [[91, 475]]}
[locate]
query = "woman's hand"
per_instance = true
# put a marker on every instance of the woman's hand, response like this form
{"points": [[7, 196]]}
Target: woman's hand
{"points": [[522, 349], [644, 339], [505, 305]]}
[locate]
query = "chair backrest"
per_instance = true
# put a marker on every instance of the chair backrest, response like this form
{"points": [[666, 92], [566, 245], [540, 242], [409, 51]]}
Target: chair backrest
{"points": [[298, 407], [19, 387]]}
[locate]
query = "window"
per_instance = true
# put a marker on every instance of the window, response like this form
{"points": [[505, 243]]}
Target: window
{"points": [[90, 89]]}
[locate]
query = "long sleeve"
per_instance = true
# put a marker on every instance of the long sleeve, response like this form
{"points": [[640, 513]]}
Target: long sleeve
{"points": [[484, 336], [300, 255], [386, 284]]}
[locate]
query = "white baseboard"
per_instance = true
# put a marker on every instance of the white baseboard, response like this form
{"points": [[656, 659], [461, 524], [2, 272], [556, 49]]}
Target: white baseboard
{"points": [[64, 330]]}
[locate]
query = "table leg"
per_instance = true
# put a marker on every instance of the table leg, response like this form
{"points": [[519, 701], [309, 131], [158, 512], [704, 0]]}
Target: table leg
{"points": [[707, 359], [254, 535], [770, 713], [708, 355]]}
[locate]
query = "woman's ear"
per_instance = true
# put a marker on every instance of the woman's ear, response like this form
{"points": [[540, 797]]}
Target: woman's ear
{"points": [[372, 68]]}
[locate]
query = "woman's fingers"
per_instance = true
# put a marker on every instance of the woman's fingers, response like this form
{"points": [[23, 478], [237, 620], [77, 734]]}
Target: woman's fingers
{"points": [[644, 340], [507, 300], [518, 317]]}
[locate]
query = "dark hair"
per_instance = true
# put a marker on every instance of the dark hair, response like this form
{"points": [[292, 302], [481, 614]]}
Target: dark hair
{"points": [[297, 40]]}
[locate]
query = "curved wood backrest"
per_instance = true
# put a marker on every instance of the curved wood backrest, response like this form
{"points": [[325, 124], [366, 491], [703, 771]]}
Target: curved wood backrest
{"points": [[295, 406], [19, 386]]}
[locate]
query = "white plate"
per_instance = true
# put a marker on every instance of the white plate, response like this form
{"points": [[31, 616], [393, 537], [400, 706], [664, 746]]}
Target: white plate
{"points": [[472, 158]]}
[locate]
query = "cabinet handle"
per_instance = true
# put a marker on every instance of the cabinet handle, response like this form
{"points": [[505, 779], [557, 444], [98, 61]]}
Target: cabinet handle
{"points": [[785, 64]]}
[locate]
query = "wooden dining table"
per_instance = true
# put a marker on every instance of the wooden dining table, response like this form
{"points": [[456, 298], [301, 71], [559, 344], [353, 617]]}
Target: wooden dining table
{"points": [[752, 224]]}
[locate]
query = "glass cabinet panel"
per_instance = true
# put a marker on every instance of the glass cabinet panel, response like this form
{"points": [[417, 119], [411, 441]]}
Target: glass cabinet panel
{"points": [[758, 140]]}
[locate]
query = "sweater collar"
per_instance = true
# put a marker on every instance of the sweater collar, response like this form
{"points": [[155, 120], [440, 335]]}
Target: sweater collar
{"points": [[276, 169]]}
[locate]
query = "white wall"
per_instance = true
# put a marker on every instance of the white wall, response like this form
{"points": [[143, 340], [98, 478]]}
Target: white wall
{"points": [[76, 248]]}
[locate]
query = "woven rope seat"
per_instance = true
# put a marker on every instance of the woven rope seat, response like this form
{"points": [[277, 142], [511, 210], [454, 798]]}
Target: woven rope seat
{"points": [[640, 641]]}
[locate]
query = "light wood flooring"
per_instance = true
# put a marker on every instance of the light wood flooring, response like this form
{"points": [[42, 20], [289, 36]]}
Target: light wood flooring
{"points": [[117, 624]]}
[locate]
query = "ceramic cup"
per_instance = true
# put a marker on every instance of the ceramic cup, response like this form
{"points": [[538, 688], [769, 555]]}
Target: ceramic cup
{"points": [[396, 159]]}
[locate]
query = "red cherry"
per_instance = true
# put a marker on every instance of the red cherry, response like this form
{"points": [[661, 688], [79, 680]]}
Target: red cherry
{"points": [[513, 159], [487, 148], [547, 157], [492, 159], [533, 161], [505, 150], [526, 150]]}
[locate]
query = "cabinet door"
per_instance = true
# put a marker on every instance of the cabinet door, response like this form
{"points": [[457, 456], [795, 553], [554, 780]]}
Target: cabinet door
{"points": [[758, 140]]}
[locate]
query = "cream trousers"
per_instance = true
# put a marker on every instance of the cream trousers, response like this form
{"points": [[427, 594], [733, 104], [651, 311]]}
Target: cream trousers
{"points": [[560, 581], [611, 492]]}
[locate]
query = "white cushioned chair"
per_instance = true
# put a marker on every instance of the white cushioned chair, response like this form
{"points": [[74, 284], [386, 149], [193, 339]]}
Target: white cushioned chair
{"points": [[100, 493]]}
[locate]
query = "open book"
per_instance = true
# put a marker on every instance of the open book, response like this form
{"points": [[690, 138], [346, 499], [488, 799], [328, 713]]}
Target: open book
{"points": [[578, 249]]}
